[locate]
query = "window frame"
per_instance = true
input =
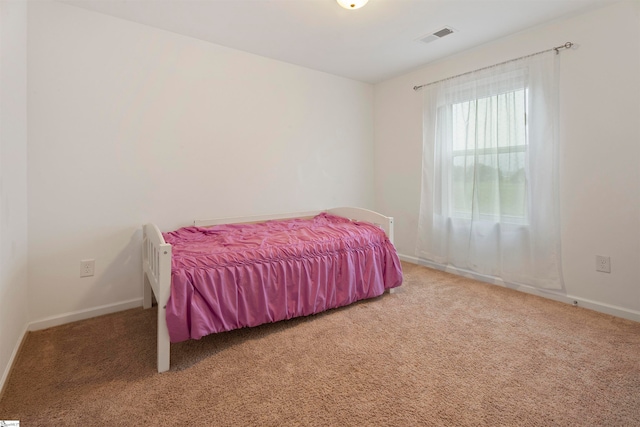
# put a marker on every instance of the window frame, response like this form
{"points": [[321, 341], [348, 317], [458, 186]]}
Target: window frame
{"points": [[483, 91]]}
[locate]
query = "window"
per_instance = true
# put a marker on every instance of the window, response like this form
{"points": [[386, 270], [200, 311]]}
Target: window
{"points": [[489, 198], [488, 153]]}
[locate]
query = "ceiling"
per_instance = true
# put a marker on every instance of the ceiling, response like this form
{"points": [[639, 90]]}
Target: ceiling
{"points": [[370, 44]]}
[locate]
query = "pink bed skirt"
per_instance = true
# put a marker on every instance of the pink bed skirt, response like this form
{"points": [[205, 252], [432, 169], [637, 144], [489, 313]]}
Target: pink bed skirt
{"points": [[234, 276]]}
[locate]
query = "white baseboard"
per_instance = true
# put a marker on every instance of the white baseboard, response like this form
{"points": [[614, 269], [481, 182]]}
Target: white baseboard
{"points": [[545, 293], [12, 359], [62, 319]]}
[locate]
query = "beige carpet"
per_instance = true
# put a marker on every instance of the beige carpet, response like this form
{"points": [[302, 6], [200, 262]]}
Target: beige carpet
{"points": [[441, 351]]}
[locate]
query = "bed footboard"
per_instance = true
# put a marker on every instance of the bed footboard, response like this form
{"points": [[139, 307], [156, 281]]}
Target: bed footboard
{"points": [[156, 276]]}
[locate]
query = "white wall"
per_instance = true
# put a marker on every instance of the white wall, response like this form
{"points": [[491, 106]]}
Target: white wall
{"points": [[13, 180], [600, 146], [129, 124]]}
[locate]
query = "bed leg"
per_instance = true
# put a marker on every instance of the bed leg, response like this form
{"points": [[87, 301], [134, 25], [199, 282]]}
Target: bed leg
{"points": [[163, 341]]}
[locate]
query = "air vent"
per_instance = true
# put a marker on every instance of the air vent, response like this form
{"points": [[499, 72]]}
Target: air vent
{"points": [[436, 35]]}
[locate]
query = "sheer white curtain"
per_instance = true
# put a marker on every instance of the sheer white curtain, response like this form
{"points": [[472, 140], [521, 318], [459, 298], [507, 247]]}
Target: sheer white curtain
{"points": [[489, 200]]}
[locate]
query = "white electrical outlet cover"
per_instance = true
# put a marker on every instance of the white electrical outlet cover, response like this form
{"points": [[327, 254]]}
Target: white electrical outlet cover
{"points": [[87, 267], [603, 264]]}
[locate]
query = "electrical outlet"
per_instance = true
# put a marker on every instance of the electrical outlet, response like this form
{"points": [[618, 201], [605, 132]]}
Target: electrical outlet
{"points": [[87, 267], [603, 264]]}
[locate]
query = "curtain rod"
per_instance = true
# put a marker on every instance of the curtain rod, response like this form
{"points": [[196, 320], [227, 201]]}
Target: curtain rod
{"points": [[567, 45]]}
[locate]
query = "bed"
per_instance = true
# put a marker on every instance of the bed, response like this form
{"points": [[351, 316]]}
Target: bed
{"points": [[230, 273]]}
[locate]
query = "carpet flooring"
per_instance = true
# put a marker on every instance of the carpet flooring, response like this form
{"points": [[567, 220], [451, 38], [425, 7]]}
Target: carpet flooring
{"points": [[442, 350]]}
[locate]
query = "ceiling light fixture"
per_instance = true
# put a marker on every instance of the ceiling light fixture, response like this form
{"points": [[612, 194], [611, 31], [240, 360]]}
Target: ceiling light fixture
{"points": [[352, 4]]}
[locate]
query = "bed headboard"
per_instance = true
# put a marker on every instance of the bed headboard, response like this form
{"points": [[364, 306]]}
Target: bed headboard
{"points": [[256, 218], [356, 214], [359, 214]]}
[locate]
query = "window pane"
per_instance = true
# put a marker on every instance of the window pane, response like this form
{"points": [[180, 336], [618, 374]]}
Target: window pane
{"points": [[462, 185], [489, 156]]}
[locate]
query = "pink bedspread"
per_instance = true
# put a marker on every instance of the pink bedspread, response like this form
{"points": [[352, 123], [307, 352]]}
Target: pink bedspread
{"points": [[232, 276]]}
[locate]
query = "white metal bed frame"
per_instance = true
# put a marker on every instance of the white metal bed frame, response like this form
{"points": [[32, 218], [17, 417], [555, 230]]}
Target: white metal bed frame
{"points": [[156, 261]]}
